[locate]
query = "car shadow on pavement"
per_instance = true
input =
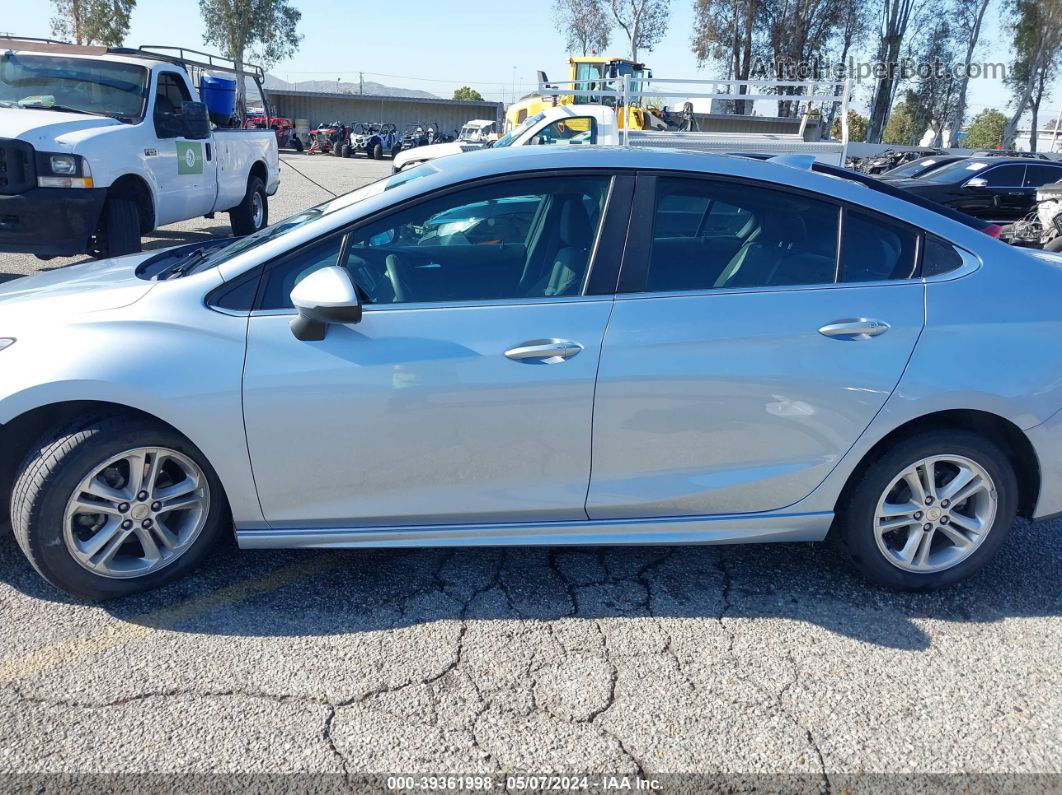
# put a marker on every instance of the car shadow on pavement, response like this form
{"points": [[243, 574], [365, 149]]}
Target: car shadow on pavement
{"points": [[315, 592], [6, 277]]}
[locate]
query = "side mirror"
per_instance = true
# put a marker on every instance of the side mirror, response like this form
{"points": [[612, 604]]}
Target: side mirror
{"points": [[196, 120], [535, 140], [976, 182], [324, 297]]}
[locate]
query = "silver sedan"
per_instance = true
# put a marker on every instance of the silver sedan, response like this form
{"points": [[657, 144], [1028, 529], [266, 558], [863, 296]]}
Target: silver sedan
{"points": [[587, 346]]}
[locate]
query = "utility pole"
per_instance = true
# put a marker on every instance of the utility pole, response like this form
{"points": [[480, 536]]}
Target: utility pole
{"points": [[361, 82]]}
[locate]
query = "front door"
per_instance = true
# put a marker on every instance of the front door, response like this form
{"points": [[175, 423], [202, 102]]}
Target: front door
{"points": [[465, 394], [184, 169], [751, 356]]}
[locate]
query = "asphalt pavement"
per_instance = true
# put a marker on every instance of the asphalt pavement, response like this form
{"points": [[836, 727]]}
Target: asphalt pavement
{"points": [[771, 667]]}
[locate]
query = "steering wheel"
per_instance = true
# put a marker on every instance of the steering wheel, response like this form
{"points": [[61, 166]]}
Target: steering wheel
{"points": [[394, 266]]}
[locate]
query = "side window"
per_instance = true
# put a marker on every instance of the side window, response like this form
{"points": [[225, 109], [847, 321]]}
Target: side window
{"points": [[939, 257], [169, 102], [578, 130], [529, 238], [282, 278], [874, 249], [172, 93], [719, 235], [1010, 176], [1037, 175]]}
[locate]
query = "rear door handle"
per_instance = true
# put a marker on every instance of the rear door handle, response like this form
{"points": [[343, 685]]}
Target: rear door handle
{"points": [[549, 351], [858, 329]]}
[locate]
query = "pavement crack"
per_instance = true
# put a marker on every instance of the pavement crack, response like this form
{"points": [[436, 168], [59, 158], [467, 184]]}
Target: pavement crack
{"points": [[326, 735]]}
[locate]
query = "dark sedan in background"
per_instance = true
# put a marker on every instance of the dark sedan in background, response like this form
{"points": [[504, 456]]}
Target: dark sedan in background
{"points": [[994, 189]]}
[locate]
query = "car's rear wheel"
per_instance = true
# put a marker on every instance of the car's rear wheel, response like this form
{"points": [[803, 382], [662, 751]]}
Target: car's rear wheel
{"points": [[114, 506], [930, 511]]}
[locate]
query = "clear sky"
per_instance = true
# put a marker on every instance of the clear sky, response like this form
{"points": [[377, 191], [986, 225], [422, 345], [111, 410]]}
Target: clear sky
{"points": [[437, 46]]}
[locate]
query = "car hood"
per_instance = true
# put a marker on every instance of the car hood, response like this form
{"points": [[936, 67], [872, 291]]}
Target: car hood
{"points": [[45, 128], [76, 289]]}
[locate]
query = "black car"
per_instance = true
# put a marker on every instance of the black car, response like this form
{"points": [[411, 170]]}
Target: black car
{"points": [[920, 167], [995, 189]]}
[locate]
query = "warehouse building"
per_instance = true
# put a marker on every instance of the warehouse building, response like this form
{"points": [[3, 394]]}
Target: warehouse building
{"points": [[319, 107]]}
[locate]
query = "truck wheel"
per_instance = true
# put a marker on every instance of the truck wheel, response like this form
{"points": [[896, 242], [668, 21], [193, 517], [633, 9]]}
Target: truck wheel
{"points": [[377, 152], [252, 213], [395, 150], [120, 227], [337, 149], [1054, 245]]}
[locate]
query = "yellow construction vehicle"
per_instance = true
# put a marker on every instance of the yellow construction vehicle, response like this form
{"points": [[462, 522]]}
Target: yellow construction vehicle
{"points": [[587, 75]]}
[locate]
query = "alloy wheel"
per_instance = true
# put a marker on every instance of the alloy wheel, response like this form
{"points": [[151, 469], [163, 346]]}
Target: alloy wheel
{"points": [[136, 512], [935, 513]]}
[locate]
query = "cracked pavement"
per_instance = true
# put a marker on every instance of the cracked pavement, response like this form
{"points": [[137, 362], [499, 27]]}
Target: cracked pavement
{"points": [[624, 660], [737, 661]]}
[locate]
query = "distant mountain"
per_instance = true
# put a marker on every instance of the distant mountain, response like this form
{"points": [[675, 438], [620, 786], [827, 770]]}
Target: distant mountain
{"points": [[334, 87]]}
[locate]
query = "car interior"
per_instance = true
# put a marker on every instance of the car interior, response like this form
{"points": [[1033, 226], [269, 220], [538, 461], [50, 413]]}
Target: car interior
{"points": [[715, 235], [524, 240]]}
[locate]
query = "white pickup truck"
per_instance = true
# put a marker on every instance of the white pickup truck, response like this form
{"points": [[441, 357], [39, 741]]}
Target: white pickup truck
{"points": [[99, 146], [596, 124]]}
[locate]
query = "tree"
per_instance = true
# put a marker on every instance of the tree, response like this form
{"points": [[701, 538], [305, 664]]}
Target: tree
{"points": [[892, 30], [986, 130], [467, 94], [970, 14], [103, 22], [723, 32], [263, 28], [857, 127], [903, 128], [584, 25], [935, 91], [797, 34], [644, 22], [851, 33], [1036, 28]]}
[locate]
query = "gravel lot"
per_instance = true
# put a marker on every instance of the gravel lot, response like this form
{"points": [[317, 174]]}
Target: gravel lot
{"points": [[724, 660]]}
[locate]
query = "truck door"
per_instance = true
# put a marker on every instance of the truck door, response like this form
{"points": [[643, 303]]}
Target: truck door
{"points": [[185, 169]]}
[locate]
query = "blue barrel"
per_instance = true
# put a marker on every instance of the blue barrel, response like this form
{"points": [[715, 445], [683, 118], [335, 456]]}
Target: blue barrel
{"points": [[218, 94]]}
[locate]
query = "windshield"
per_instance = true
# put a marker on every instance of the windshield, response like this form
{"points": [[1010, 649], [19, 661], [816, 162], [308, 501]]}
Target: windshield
{"points": [[913, 168], [282, 228], [78, 84], [953, 172], [516, 132]]}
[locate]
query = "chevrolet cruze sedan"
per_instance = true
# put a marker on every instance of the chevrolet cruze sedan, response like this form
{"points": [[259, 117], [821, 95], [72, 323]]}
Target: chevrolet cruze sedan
{"points": [[526, 346]]}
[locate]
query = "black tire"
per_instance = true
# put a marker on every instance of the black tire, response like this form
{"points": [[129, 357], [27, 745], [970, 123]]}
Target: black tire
{"points": [[395, 150], [52, 471], [337, 149], [120, 226], [377, 152], [298, 144], [241, 217], [856, 510], [1054, 245]]}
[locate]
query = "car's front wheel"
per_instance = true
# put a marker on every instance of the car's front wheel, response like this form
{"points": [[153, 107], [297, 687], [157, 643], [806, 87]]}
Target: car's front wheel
{"points": [[114, 506], [930, 511]]}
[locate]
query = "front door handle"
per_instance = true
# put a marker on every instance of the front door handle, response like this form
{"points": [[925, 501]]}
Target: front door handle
{"points": [[551, 351], [858, 329]]}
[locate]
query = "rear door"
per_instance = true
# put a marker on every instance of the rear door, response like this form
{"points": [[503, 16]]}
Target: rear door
{"points": [[733, 382]]}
